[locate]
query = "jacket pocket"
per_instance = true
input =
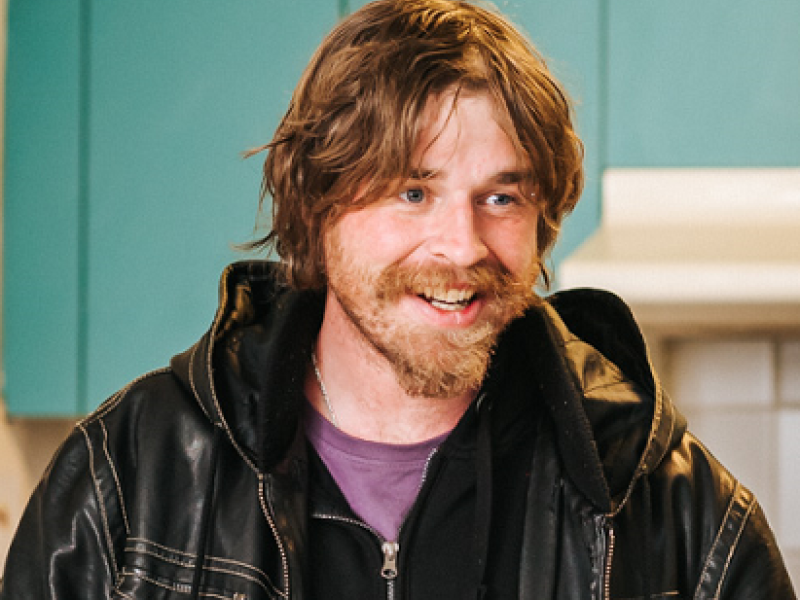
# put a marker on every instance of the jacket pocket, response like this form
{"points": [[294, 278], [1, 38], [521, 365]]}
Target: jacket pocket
{"points": [[156, 572]]}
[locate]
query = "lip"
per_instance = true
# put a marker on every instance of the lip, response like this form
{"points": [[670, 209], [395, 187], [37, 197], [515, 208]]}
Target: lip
{"points": [[437, 317]]}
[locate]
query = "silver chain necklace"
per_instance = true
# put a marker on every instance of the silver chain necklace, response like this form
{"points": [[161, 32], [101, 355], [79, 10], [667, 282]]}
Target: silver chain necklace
{"points": [[325, 397]]}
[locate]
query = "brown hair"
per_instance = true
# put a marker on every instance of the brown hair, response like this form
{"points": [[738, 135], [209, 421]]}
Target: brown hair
{"points": [[353, 120]]}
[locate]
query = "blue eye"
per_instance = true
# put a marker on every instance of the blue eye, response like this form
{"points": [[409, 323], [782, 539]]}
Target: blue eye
{"points": [[500, 200], [413, 195]]}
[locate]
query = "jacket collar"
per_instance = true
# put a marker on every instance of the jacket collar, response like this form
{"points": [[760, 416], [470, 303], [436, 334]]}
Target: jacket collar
{"points": [[247, 371], [612, 420], [633, 422]]}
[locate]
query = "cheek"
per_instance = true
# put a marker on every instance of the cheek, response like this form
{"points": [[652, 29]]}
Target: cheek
{"points": [[515, 247], [375, 236]]}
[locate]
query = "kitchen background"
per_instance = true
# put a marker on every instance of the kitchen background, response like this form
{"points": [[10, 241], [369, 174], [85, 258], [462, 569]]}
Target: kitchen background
{"points": [[124, 191]]}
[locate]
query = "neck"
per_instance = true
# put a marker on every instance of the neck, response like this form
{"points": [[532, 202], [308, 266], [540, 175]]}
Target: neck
{"points": [[364, 394]]}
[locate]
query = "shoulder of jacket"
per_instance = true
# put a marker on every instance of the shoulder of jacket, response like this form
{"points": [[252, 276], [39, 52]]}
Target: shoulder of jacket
{"points": [[151, 407], [605, 322], [735, 534], [150, 390]]}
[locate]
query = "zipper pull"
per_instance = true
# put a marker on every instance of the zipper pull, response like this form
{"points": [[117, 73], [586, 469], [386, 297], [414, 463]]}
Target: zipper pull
{"points": [[390, 550]]}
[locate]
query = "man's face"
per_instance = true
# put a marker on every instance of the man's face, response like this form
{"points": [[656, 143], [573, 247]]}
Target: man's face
{"points": [[430, 275]]}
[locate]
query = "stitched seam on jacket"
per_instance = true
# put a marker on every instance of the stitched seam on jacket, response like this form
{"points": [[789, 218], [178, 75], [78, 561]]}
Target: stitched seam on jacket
{"points": [[658, 415], [100, 503], [735, 543], [222, 421], [114, 400], [735, 500], [118, 591], [267, 512], [710, 556], [181, 589], [212, 388], [194, 387], [192, 557], [116, 478], [267, 588], [173, 561], [674, 594]]}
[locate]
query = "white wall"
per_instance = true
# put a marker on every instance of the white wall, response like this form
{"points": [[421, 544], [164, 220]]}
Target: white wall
{"points": [[741, 396]]}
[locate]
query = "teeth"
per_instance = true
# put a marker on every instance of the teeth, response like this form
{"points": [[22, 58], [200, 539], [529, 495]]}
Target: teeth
{"points": [[446, 306], [457, 296], [451, 299]]}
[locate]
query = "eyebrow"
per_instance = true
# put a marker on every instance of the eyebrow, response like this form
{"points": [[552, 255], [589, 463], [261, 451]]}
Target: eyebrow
{"points": [[503, 177]]}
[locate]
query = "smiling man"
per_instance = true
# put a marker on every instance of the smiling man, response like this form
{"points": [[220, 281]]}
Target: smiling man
{"points": [[422, 281], [391, 410]]}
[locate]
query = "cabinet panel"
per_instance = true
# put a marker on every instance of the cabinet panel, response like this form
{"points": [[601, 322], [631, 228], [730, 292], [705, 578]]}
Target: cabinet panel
{"points": [[714, 83], [41, 207], [124, 187], [175, 101], [124, 183], [568, 34]]}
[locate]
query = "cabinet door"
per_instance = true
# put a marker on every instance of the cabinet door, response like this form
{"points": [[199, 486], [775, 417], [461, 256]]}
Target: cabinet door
{"points": [[172, 94], [712, 83], [41, 207], [175, 101]]}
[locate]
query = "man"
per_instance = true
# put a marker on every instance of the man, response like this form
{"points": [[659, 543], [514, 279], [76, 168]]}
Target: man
{"points": [[392, 411]]}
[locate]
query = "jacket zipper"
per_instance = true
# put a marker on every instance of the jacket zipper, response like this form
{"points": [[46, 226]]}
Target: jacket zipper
{"points": [[281, 550], [609, 527], [389, 569], [389, 549], [261, 494]]}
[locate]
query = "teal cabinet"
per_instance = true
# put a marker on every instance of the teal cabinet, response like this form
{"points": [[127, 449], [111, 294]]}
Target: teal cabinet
{"points": [[175, 100], [713, 83], [41, 207], [125, 189]]}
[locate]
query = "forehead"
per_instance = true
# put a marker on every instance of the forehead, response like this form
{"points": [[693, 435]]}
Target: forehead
{"points": [[437, 131], [440, 108], [461, 123]]}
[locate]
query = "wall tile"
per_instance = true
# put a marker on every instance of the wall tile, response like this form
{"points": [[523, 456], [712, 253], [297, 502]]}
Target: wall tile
{"points": [[789, 478], [744, 441], [789, 372], [723, 373]]}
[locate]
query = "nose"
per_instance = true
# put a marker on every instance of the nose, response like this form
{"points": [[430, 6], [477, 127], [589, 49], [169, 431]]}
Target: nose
{"points": [[456, 236]]}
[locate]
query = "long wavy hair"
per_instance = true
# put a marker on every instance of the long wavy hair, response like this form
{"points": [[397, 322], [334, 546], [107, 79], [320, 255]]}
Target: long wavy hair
{"points": [[354, 120]]}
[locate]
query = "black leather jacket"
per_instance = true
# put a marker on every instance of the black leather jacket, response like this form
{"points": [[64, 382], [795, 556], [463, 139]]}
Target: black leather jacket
{"points": [[192, 480]]}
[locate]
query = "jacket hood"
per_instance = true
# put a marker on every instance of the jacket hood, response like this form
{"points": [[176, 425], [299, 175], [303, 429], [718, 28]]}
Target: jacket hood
{"points": [[631, 421], [247, 371], [613, 421]]}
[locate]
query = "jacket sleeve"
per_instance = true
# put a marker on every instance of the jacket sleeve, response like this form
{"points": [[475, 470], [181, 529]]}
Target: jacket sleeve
{"points": [[707, 534], [742, 560], [63, 546], [755, 568]]}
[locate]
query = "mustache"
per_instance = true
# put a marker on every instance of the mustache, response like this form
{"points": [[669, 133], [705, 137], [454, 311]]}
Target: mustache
{"points": [[482, 279]]}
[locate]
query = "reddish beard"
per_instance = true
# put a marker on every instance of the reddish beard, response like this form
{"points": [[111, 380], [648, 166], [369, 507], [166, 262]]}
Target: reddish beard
{"points": [[430, 361]]}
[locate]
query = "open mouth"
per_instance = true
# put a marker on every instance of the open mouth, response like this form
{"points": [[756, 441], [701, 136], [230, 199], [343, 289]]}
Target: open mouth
{"points": [[447, 299]]}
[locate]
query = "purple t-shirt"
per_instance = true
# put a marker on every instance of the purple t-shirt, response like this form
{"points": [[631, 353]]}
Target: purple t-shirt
{"points": [[379, 481]]}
